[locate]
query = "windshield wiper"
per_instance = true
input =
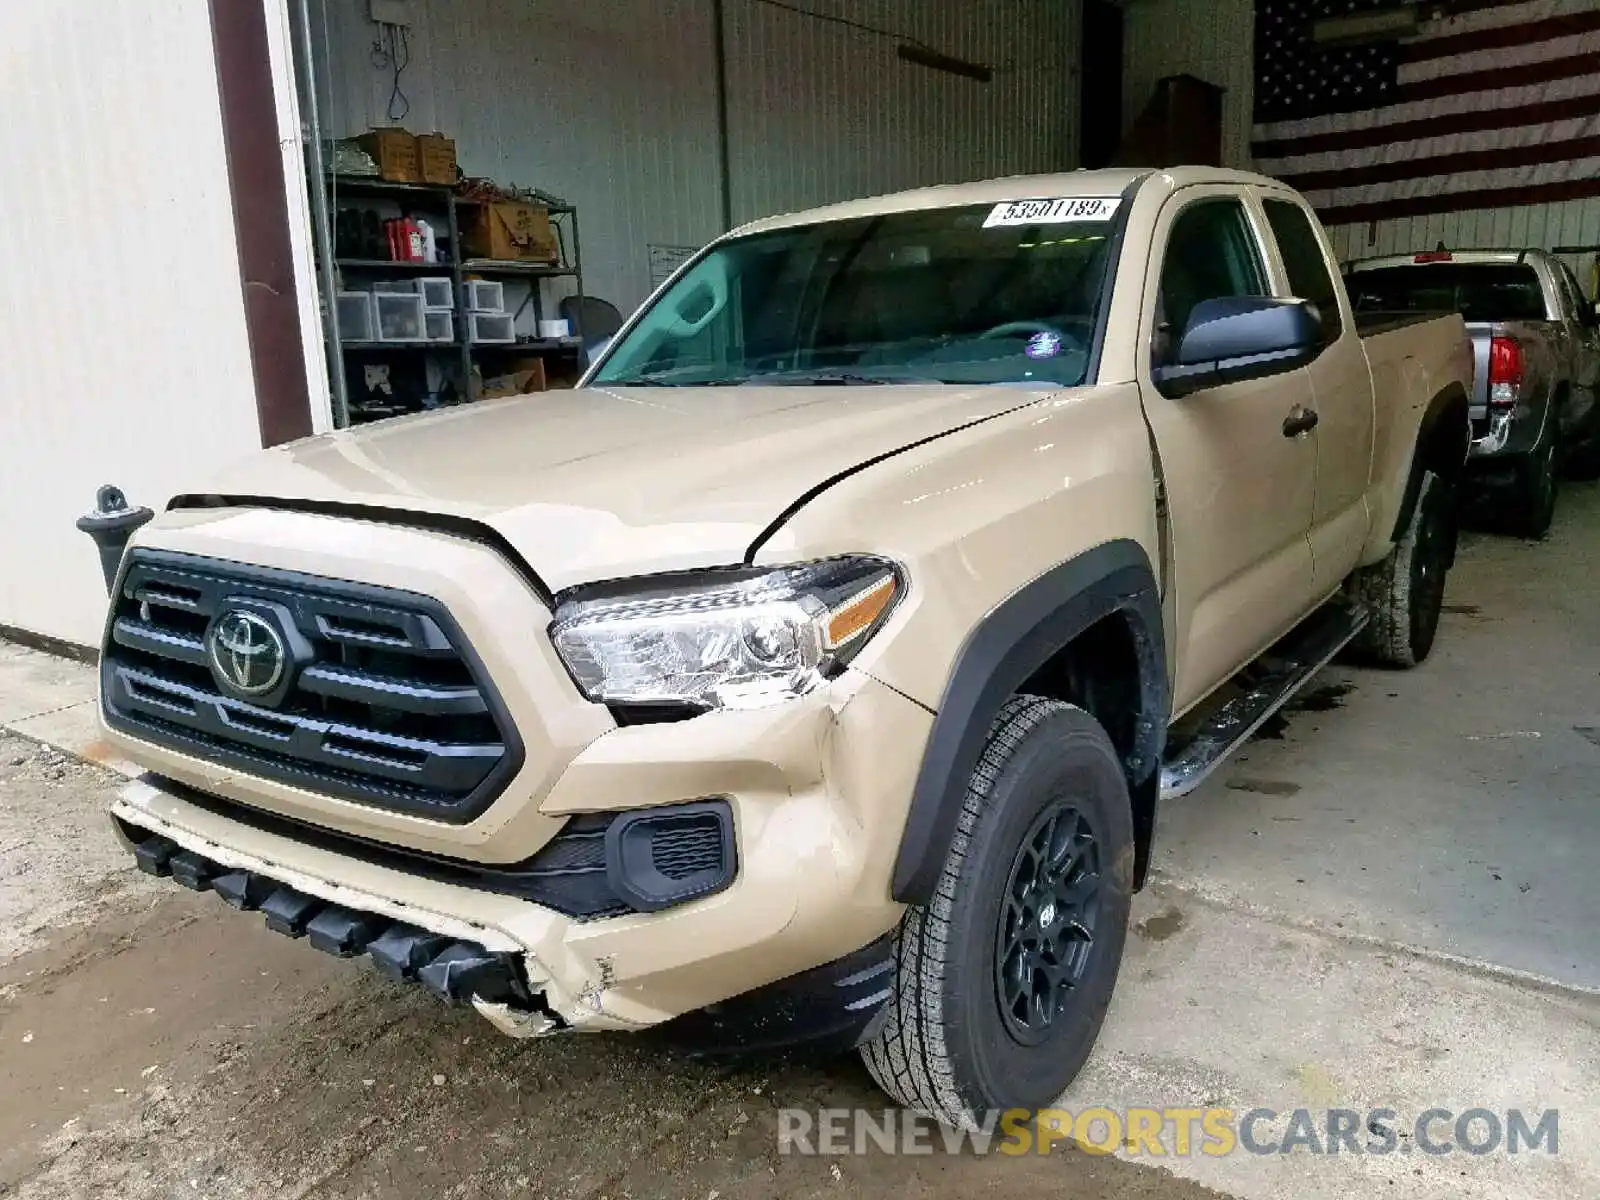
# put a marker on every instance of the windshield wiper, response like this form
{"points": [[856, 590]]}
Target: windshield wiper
{"points": [[662, 380], [835, 378]]}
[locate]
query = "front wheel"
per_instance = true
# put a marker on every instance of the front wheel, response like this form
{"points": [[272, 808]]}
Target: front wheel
{"points": [[1004, 980]]}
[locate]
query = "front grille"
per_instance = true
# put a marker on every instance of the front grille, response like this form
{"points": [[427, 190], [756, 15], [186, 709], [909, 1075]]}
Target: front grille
{"points": [[384, 702]]}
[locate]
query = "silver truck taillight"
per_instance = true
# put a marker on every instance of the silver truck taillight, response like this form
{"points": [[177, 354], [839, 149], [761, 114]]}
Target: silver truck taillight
{"points": [[1505, 372]]}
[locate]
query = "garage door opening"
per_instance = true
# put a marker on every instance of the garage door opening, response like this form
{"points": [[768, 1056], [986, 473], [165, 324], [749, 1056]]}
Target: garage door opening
{"points": [[493, 187]]}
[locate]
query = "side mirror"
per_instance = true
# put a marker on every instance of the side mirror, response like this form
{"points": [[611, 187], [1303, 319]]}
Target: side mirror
{"points": [[1238, 338]]}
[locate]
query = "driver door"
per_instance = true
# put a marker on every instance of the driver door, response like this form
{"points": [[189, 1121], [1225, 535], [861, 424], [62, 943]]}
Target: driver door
{"points": [[1239, 492]]}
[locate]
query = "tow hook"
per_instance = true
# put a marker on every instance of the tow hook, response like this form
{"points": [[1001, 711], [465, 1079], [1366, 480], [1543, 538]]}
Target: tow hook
{"points": [[111, 524]]}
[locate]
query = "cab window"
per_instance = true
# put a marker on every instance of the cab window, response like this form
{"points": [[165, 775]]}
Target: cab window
{"points": [[1568, 284], [1212, 254], [1309, 277]]}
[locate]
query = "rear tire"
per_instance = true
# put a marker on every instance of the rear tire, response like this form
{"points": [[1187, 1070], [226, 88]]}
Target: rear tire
{"points": [[1538, 479], [1003, 981], [1406, 590], [1583, 463]]}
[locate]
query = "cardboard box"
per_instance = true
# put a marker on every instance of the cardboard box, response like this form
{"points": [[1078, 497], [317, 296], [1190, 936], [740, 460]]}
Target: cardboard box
{"points": [[436, 156], [395, 152], [509, 229], [520, 377]]}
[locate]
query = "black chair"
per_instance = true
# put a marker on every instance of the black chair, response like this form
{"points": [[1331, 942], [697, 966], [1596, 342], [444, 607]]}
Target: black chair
{"points": [[594, 319]]}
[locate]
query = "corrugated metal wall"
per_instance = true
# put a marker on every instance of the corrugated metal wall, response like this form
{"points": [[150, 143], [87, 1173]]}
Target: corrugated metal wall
{"points": [[820, 113], [1210, 39], [123, 354], [1572, 223], [613, 106]]}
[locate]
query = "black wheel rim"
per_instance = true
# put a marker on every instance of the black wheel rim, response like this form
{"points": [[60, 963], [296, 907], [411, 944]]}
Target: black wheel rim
{"points": [[1047, 922], [1428, 569]]}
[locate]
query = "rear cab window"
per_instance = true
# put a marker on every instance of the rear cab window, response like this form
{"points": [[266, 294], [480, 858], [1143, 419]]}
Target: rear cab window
{"points": [[1572, 294], [1306, 264], [1487, 291]]}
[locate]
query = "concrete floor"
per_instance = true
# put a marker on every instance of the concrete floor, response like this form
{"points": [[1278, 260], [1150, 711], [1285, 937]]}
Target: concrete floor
{"points": [[1390, 899], [1388, 905], [1454, 808]]}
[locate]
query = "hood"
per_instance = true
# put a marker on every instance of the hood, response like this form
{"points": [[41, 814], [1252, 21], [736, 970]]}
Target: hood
{"points": [[597, 483]]}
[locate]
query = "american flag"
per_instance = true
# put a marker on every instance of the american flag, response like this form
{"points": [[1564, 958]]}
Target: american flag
{"points": [[1494, 105]]}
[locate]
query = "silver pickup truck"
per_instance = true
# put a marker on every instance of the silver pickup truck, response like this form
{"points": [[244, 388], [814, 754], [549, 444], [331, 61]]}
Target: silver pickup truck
{"points": [[1536, 354]]}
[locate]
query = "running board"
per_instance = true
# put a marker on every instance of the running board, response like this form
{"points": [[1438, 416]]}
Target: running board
{"points": [[1269, 683]]}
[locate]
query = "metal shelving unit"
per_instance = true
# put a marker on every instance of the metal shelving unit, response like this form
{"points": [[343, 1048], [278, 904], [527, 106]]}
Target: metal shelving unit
{"points": [[429, 201]]}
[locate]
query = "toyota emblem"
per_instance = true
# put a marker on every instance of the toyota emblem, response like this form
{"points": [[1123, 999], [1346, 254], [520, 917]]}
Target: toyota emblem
{"points": [[247, 653]]}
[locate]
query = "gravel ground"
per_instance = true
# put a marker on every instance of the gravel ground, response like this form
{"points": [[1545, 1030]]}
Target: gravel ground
{"points": [[154, 1044]]}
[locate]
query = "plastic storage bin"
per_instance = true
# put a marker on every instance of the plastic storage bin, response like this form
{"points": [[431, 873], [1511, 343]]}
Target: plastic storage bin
{"points": [[437, 293], [400, 318], [358, 320], [492, 327], [486, 296], [395, 287], [439, 324]]}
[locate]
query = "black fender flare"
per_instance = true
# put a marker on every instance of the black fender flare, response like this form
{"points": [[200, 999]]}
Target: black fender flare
{"points": [[1451, 399], [1012, 642]]}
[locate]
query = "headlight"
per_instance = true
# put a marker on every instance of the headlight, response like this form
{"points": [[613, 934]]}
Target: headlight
{"points": [[739, 638]]}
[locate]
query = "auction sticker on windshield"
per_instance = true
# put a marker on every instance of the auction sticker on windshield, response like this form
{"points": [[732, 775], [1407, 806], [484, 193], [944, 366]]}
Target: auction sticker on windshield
{"points": [[1051, 212]]}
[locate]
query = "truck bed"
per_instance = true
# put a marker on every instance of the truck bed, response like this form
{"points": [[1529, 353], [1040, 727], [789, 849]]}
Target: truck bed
{"points": [[1372, 324]]}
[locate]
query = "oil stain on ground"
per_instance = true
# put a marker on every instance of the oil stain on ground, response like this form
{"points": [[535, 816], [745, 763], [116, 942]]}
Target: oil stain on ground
{"points": [[1323, 699], [1264, 787], [1161, 926]]}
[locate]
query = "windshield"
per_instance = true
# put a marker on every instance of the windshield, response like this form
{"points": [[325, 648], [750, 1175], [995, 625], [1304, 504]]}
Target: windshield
{"points": [[951, 295], [1478, 291]]}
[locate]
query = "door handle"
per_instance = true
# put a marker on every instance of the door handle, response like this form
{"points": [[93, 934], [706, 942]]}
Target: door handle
{"points": [[1300, 420]]}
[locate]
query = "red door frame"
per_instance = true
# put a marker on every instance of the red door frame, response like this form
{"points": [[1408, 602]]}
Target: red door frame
{"points": [[261, 219]]}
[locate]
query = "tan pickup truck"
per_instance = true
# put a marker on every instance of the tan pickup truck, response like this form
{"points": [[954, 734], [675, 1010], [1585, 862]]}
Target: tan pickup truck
{"points": [[814, 671]]}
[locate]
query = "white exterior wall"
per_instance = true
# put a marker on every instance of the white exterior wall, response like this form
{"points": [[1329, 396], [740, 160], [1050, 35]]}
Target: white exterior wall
{"points": [[613, 106], [123, 353]]}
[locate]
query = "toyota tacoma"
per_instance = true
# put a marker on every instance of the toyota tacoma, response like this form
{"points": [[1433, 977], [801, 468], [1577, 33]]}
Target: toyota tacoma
{"points": [[1536, 354], [814, 671]]}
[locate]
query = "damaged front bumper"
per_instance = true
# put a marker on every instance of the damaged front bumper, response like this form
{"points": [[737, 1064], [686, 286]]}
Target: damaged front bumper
{"points": [[506, 957], [442, 956]]}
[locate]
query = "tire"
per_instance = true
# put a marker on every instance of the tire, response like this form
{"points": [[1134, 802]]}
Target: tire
{"points": [[947, 1046], [1538, 479], [1583, 463], [1406, 590]]}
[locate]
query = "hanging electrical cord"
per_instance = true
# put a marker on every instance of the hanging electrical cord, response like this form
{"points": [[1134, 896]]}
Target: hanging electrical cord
{"points": [[848, 23], [908, 48], [392, 52]]}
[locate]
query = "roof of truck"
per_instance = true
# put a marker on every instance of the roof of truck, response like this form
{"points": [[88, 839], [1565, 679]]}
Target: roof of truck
{"points": [[1426, 258], [1064, 184]]}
